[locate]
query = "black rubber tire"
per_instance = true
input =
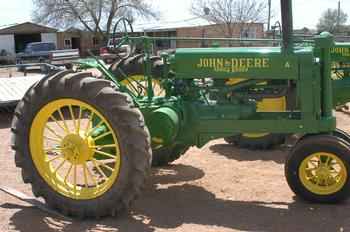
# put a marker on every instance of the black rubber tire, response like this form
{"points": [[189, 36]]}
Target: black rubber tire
{"points": [[135, 66], [262, 143], [164, 156], [125, 119], [310, 145]]}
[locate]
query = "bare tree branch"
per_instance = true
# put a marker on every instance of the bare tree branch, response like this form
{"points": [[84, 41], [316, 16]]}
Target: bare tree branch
{"points": [[231, 13], [330, 22], [96, 16]]}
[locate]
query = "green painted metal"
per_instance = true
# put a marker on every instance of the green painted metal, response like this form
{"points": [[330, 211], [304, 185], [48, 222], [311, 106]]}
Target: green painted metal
{"points": [[214, 92], [163, 124]]}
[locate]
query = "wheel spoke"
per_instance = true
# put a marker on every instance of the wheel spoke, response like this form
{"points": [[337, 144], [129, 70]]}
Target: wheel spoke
{"points": [[53, 132], [87, 129], [60, 166], [55, 158], [90, 174], [99, 169], [93, 129], [79, 120], [52, 139], [103, 164], [105, 154], [85, 176], [53, 149], [131, 85], [103, 135], [68, 172], [59, 124], [327, 159], [75, 179], [72, 116], [64, 120], [104, 146]]}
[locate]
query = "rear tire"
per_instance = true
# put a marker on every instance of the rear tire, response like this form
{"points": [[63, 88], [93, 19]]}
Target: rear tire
{"points": [[125, 121]]}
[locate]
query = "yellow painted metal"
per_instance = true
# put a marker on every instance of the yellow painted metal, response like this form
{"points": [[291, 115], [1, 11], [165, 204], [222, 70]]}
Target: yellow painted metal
{"points": [[234, 81], [323, 173], [63, 150], [138, 85], [268, 105]]}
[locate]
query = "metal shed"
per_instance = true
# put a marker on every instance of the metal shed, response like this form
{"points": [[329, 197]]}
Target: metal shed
{"points": [[14, 38]]}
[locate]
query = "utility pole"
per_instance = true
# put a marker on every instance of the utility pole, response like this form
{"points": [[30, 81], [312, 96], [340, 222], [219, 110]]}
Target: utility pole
{"points": [[269, 16], [338, 16]]}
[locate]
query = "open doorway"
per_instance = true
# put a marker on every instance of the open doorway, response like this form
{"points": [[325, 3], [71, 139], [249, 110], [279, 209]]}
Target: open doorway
{"points": [[21, 40], [75, 43]]}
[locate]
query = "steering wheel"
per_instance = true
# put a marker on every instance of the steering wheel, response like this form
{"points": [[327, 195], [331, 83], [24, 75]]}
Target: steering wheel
{"points": [[126, 23]]}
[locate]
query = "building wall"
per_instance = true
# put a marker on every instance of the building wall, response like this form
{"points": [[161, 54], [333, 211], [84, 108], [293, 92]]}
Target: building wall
{"points": [[49, 38], [215, 31], [7, 42], [86, 41]]}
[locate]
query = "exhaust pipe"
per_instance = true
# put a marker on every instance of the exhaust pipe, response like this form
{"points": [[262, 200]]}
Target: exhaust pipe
{"points": [[287, 25]]}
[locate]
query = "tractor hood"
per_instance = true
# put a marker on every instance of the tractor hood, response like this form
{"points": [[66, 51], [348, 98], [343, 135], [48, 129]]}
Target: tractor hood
{"points": [[257, 63]]}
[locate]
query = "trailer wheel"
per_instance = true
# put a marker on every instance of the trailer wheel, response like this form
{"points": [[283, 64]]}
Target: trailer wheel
{"points": [[81, 168], [318, 169]]}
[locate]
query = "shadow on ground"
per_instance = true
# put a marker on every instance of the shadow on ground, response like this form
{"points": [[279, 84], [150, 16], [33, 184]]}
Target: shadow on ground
{"points": [[277, 154], [171, 206]]}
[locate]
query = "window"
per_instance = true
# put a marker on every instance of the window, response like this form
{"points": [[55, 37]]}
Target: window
{"points": [[248, 33], [67, 43]]}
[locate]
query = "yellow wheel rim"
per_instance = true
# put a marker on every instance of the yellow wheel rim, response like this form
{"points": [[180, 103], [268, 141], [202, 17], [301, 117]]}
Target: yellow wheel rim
{"points": [[268, 105], [64, 147], [323, 173], [138, 85]]}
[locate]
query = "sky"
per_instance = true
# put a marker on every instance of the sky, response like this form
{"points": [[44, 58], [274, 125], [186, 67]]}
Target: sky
{"points": [[306, 12]]}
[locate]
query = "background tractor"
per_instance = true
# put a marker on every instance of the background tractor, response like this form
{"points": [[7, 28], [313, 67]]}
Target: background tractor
{"points": [[85, 144], [340, 59]]}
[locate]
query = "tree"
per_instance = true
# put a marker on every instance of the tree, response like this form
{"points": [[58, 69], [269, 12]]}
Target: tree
{"points": [[231, 13], [331, 22], [96, 16]]}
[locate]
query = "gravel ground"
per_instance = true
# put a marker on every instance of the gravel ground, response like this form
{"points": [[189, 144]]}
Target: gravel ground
{"points": [[216, 188]]}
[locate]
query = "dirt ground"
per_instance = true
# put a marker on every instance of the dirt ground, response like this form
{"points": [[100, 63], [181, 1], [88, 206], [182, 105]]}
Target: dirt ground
{"points": [[216, 188]]}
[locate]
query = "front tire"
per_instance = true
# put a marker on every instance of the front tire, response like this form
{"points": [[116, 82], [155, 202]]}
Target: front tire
{"points": [[55, 109], [318, 169]]}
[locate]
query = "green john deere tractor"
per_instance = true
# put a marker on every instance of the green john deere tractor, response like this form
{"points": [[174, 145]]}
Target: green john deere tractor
{"points": [[85, 144]]}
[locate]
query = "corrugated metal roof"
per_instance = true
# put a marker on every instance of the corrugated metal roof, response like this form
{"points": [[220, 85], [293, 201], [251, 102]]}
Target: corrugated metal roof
{"points": [[8, 25], [12, 28], [170, 25]]}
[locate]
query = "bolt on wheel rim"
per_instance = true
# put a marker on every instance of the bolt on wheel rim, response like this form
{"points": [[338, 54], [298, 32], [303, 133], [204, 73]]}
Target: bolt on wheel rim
{"points": [[323, 173], [74, 149]]}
